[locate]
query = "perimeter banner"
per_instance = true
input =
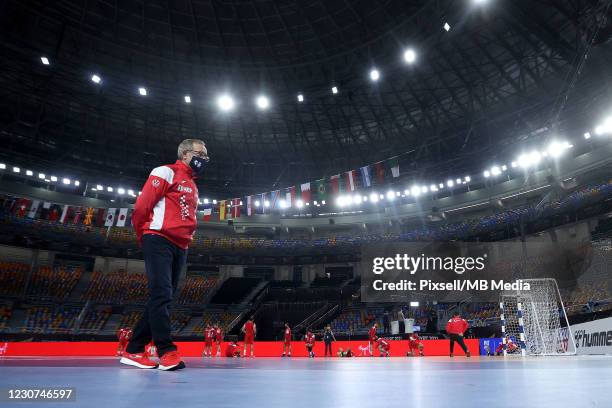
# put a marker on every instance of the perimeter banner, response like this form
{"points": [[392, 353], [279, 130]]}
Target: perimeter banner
{"points": [[457, 271]]}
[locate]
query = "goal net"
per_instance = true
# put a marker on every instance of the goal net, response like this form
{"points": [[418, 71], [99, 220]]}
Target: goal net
{"points": [[534, 321]]}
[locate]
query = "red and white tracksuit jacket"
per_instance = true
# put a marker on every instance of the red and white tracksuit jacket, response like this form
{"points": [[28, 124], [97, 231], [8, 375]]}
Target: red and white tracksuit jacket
{"points": [[167, 205], [456, 325]]}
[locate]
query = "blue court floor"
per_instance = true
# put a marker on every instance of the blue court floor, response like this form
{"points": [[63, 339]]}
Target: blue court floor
{"points": [[359, 382]]}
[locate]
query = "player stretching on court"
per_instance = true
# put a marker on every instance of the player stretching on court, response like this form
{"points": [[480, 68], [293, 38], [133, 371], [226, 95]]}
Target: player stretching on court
{"points": [[383, 347], [414, 344], [218, 338], [310, 340], [372, 338], [250, 330], [287, 341], [455, 328]]}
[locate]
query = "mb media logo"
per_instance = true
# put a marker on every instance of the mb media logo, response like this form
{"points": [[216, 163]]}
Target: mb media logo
{"points": [[412, 264], [596, 339]]}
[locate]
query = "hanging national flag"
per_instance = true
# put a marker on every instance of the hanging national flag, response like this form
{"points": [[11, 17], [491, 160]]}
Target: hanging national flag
{"points": [[261, 209], [236, 208], [64, 215], [222, 209], [305, 193], [350, 180], [20, 207], [394, 166], [100, 217], [334, 181], [76, 219], [365, 176], [380, 173], [122, 217], [249, 201], [34, 209], [207, 214], [320, 190], [110, 217], [44, 212], [54, 213], [88, 216], [290, 196], [275, 199]]}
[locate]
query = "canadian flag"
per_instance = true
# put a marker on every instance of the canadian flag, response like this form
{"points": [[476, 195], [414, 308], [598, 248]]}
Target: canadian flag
{"points": [[110, 217], [122, 217], [207, 214]]}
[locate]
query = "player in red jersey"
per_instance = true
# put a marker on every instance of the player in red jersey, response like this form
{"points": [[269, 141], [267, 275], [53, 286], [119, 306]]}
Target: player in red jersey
{"points": [[414, 344], [287, 341], [383, 346], [123, 335], [232, 350], [250, 330], [455, 328], [218, 338], [310, 340], [372, 337], [511, 347], [209, 335]]}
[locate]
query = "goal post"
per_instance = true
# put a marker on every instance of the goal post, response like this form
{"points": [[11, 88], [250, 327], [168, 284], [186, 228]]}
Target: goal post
{"points": [[534, 321]]}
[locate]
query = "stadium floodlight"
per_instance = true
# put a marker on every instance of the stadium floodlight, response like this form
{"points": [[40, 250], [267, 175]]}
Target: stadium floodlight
{"points": [[415, 191], [300, 98], [514, 164], [480, 2], [206, 201], [407, 192], [16, 170], [77, 183], [504, 167], [283, 204], [450, 183], [29, 173], [556, 149], [262, 102], [315, 202], [397, 194], [140, 192], [410, 56], [53, 179], [433, 188], [467, 179], [187, 99], [2, 166], [257, 203], [441, 185], [142, 91], [587, 135], [458, 181], [131, 192], [66, 181], [334, 90], [99, 187], [340, 201], [529, 159], [373, 198], [299, 203], [109, 189], [266, 203], [41, 176], [225, 102], [357, 199], [486, 174], [424, 189], [120, 191], [95, 78], [214, 202], [374, 74], [323, 202], [447, 27], [44, 60], [414, 304], [390, 195], [495, 171]]}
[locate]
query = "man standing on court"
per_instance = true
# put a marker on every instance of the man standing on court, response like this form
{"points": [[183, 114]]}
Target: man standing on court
{"points": [[455, 328], [164, 220]]}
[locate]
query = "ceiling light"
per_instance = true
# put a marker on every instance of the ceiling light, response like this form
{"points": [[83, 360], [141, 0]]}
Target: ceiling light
{"points": [[96, 79], [374, 75], [300, 98], [225, 102], [187, 99], [262, 102], [45, 60], [142, 91], [409, 56]]}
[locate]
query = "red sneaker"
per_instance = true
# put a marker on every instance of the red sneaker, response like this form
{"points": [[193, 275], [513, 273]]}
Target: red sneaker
{"points": [[139, 360], [170, 361]]}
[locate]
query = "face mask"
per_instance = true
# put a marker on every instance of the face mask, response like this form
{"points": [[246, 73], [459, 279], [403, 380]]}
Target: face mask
{"points": [[197, 164]]}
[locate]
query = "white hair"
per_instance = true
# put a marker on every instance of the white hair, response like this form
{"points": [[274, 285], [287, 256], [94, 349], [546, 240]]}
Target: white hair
{"points": [[187, 145]]}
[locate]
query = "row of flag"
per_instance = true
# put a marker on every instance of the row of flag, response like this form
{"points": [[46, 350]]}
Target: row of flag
{"points": [[319, 190], [38, 209]]}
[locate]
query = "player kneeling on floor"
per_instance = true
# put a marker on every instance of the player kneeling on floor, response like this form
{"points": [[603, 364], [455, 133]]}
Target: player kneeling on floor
{"points": [[232, 349], [383, 346], [414, 344]]}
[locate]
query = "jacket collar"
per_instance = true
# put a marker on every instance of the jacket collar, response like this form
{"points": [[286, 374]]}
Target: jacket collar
{"points": [[185, 168]]}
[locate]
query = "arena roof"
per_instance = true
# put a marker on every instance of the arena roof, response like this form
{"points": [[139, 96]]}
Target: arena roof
{"points": [[486, 76]]}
